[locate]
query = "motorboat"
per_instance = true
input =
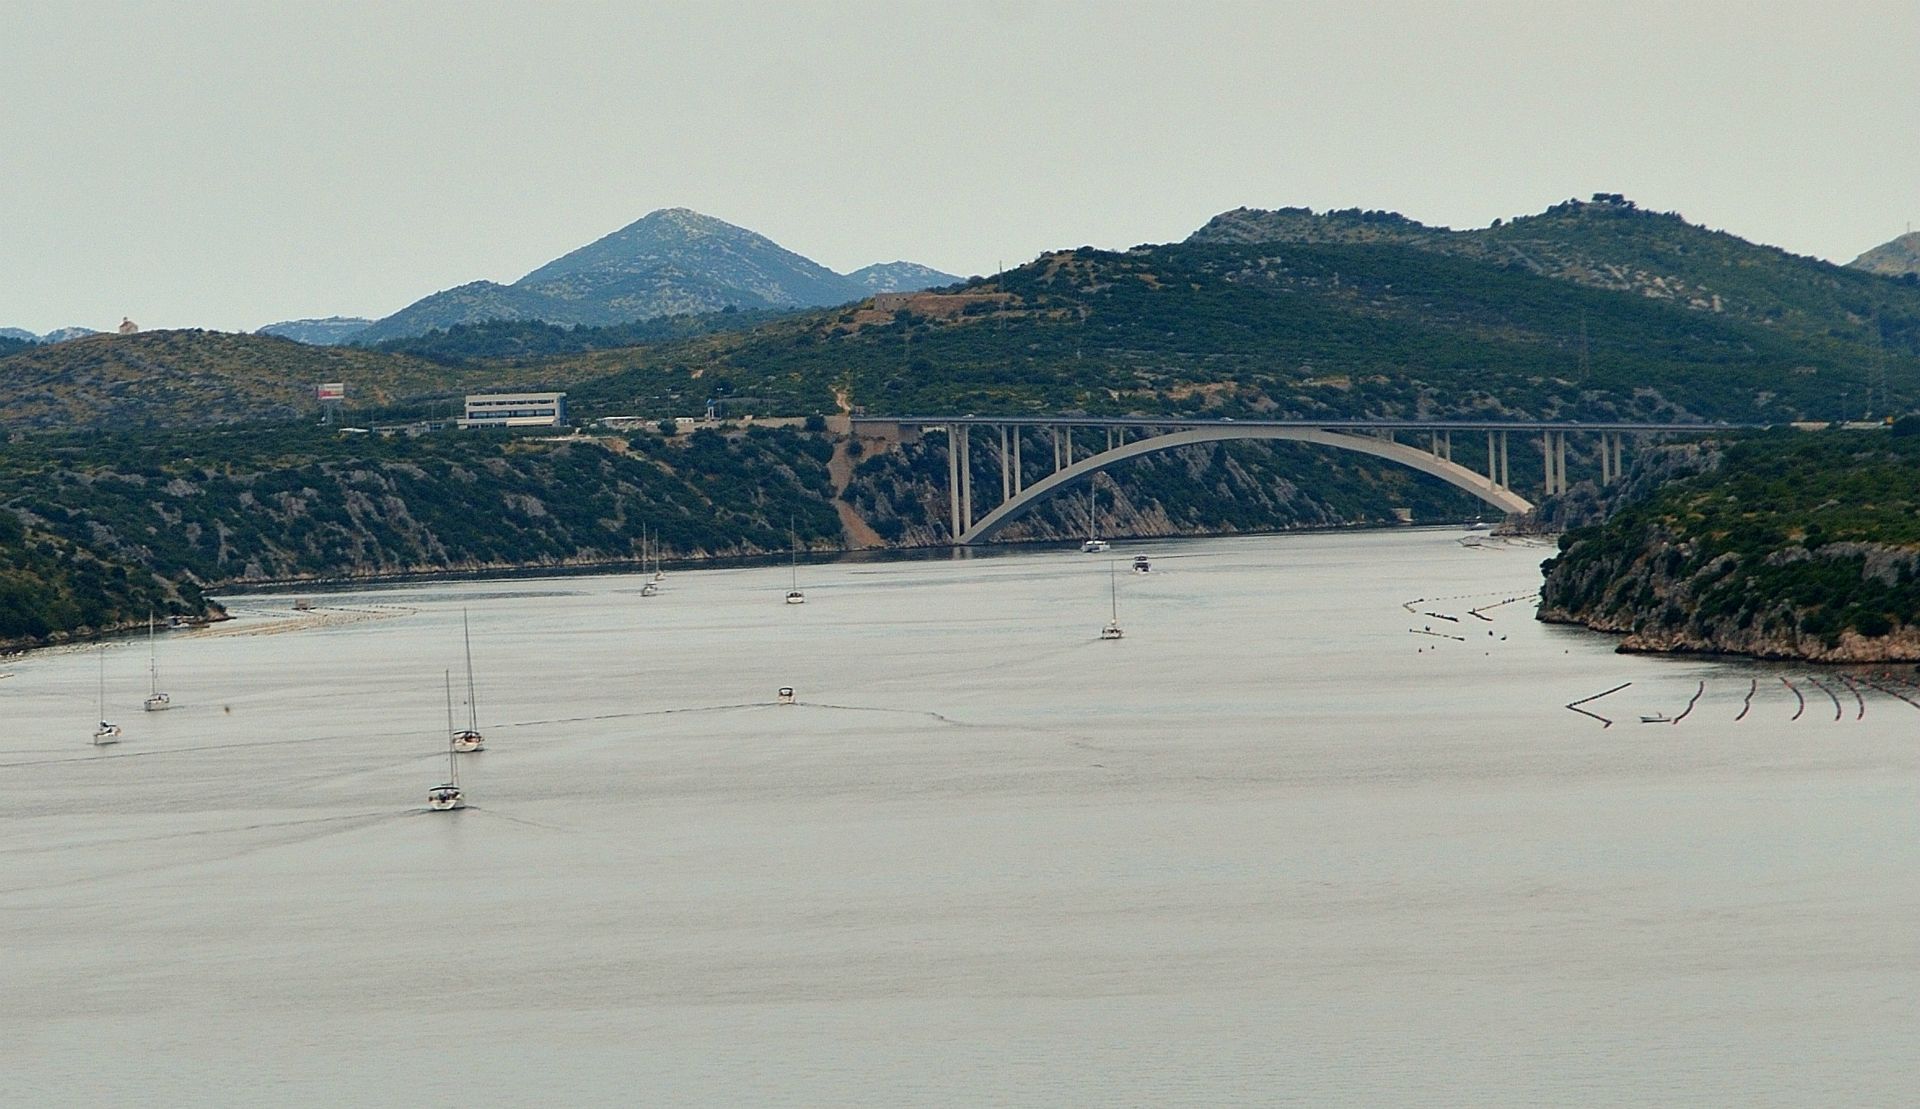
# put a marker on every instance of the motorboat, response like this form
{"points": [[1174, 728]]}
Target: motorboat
{"points": [[1141, 564]]}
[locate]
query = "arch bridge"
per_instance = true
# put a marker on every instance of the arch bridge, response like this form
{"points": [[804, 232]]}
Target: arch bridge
{"points": [[1106, 441]]}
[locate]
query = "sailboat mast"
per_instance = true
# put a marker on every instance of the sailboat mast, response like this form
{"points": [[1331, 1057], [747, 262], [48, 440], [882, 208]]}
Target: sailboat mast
{"points": [[473, 709], [103, 681], [793, 552], [153, 662]]}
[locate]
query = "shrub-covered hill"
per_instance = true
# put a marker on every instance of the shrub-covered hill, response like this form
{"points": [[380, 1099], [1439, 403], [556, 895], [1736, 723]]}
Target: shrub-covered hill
{"points": [[297, 502], [1298, 330], [51, 587], [1610, 243], [1797, 545], [196, 378], [1585, 312]]}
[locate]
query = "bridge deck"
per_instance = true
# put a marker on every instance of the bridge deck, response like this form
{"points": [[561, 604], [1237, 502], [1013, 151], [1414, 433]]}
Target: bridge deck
{"points": [[1640, 427]]}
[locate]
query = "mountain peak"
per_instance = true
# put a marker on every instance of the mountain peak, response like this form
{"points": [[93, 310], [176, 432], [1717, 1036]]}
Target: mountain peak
{"points": [[669, 261], [1893, 258]]}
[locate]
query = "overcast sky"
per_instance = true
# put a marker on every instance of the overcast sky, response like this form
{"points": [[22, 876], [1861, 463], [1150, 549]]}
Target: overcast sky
{"points": [[228, 165]]}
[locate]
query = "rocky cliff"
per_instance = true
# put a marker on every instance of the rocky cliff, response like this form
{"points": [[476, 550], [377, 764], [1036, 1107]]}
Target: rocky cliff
{"points": [[1795, 546]]}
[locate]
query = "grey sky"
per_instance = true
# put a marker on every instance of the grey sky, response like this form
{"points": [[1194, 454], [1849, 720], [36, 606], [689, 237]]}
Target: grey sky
{"points": [[227, 165]]}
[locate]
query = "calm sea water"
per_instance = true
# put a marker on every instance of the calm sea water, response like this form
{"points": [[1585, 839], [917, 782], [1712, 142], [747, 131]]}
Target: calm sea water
{"points": [[1276, 846]]}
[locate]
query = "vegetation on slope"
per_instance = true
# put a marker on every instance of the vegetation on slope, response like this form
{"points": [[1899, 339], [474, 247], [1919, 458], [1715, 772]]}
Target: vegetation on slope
{"points": [[518, 342], [1801, 545], [1609, 243], [1309, 331], [51, 587], [293, 502]]}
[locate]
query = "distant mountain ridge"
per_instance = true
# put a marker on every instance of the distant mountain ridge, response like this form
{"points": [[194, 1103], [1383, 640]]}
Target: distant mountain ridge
{"points": [[57, 335], [327, 332], [674, 261]]}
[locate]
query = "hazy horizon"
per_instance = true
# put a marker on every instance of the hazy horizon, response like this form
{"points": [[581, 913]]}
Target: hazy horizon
{"points": [[226, 165]]}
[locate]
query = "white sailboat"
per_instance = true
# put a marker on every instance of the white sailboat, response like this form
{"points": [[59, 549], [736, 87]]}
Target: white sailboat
{"points": [[446, 796], [156, 700], [1112, 630], [649, 589], [1094, 544], [107, 732], [469, 738], [794, 596]]}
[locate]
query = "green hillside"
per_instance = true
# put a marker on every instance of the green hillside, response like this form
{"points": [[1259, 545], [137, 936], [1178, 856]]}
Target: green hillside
{"points": [[181, 379], [1300, 330], [1609, 243], [52, 587], [1796, 545]]}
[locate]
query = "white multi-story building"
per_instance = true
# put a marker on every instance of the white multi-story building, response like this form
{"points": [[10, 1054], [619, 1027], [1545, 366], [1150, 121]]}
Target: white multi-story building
{"points": [[515, 410]]}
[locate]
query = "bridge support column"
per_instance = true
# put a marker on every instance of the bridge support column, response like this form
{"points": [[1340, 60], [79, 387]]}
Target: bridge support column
{"points": [[1606, 459], [1553, 459], [1506, 480], [953, 480], [966, 479], [1493, 463], [1006, 468], [1019, 475], [1056, 450]]}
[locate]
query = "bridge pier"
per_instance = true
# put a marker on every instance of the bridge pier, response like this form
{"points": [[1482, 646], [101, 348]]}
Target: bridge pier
{"points": [[966, 479], [954, 432], [1007, 472]]}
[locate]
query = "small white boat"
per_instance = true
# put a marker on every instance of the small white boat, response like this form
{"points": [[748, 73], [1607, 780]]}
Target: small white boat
{"points": [[467, 739], [786, 695], [1093, 544], [1141, 565], [650, 577], [1477, 533], [1656, 718], [1112, 630], [156, 699], [794, 596], [447, 796], [107, 732]]}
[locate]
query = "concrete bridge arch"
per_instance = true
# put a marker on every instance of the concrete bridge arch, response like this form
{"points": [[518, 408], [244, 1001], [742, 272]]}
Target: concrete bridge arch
{"points": [[1426, 462]]}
